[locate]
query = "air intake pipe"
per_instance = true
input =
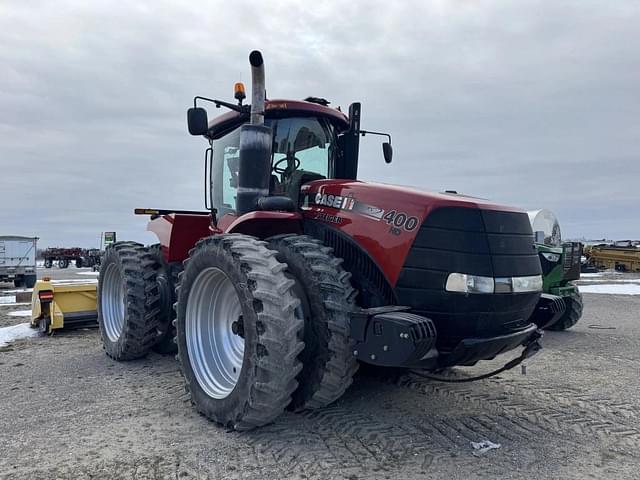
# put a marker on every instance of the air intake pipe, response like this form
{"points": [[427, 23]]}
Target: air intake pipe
{"points": [[254, 171]]}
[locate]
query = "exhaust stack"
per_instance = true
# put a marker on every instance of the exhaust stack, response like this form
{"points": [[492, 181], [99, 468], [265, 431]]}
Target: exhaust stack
{"points": [[254, 170], [257, 88]]}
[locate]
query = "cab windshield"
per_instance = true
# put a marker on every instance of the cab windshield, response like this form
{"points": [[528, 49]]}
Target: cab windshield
{"points": [[303, 149]]}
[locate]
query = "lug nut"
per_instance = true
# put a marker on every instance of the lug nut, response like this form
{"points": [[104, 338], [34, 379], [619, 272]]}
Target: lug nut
{"points": [[385, 348], [373, 357], [355, 353]]}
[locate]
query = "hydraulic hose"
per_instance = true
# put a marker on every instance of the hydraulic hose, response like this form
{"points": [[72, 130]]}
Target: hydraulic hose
{"points": [[529, 350]]}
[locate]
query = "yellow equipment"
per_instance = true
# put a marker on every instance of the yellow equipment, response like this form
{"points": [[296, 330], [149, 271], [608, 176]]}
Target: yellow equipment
{"points": [[618, 258], [63, 304]]}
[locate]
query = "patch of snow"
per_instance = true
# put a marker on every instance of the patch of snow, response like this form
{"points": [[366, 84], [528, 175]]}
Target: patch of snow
{"points": [[19, 290], [10, 301], [611, 280], [15, 332], [93, 274], [20, 313], [601, 273], [612, 289]]}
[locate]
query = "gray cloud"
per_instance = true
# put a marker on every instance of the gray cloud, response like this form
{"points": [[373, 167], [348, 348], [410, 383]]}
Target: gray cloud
{"points": [[528, 103]]}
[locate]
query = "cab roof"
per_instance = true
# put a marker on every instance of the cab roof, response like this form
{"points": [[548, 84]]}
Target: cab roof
{"points": [[277, 108]]}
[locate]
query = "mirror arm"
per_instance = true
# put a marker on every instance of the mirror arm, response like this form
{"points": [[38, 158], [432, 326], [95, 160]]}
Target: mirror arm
{"points": [[220, 103], [365, 132]]}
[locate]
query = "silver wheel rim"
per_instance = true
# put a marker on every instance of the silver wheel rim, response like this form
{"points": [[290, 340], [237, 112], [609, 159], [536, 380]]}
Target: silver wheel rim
{"points": [[215, 353], [112, 302]]}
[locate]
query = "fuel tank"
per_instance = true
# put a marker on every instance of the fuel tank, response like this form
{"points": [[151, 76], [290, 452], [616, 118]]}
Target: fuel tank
{"points": [[401, 245]]}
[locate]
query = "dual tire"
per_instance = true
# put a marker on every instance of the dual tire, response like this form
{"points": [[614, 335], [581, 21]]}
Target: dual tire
{"points": [[276, 333], [259, 326], [136, 292]]}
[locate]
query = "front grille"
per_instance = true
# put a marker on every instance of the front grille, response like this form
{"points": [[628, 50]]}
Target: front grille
{"points": [[477, 242], [464, 240]]}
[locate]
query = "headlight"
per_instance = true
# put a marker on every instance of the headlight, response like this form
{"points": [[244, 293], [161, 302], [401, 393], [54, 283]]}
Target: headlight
{"points": [[465, 283], [461, 282], [551, 257], [527, 284]]}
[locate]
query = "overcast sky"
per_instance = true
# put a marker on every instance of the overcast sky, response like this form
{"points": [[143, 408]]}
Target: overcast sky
{"points": [[535, 104]]}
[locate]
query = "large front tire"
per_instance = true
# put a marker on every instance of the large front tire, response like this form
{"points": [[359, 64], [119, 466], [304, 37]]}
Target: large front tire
{"points": [[572, 313], [127, 315], [327, 299], [238, 328]]}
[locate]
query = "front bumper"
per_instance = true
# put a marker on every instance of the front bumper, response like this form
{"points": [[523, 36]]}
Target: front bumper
{"points": [[470, 350], [393, 337]]}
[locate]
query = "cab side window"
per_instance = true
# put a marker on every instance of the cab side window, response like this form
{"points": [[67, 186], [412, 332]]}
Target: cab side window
{"points": [[226, 156]]}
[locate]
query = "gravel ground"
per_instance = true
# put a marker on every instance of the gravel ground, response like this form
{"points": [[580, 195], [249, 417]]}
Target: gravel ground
{"points": [[68, 411]]}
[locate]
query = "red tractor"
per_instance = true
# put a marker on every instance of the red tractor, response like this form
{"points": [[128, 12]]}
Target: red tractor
{"points": [[298, 271]]}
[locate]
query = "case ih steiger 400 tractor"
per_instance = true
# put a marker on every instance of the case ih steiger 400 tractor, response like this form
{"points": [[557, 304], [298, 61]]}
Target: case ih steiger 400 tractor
{"points": [[297, 271]]}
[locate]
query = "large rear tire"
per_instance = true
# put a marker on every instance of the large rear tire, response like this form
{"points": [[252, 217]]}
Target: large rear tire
{"points": [[128, 315], [572, 313], [238, 328], [18, 282], [166, 278], [327, 298]]}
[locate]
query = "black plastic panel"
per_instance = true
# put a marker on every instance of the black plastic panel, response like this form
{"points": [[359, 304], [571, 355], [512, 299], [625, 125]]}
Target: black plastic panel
{"points": [[456, 218], [452, 240], [506, 222], [449, 261]]}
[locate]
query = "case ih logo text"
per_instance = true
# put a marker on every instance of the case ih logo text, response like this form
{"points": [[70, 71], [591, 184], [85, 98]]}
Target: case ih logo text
{"points": [[335, 201]]}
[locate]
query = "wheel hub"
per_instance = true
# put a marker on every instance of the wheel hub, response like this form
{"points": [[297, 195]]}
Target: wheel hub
{"points": [[237, 327]]}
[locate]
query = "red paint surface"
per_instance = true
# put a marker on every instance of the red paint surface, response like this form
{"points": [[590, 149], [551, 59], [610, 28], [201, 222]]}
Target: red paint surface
{"points": [[178, 233], [387, 250], [283, 108]]}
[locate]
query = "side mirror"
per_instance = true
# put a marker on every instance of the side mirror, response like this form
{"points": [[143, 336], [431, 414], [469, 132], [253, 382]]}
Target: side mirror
{"points": [[387, 151], [197, 121]]}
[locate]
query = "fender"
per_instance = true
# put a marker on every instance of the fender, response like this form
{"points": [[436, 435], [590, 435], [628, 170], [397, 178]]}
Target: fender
{"points": [[178, 233], [262, 224]]}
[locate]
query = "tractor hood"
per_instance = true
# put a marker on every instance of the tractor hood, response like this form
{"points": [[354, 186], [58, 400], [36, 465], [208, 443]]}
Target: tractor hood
{"points": [[404, 195], [385, 219]]}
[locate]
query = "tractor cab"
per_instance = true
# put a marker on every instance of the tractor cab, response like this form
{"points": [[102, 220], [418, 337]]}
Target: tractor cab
{"points": [[309, 141], [303, 149]]}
